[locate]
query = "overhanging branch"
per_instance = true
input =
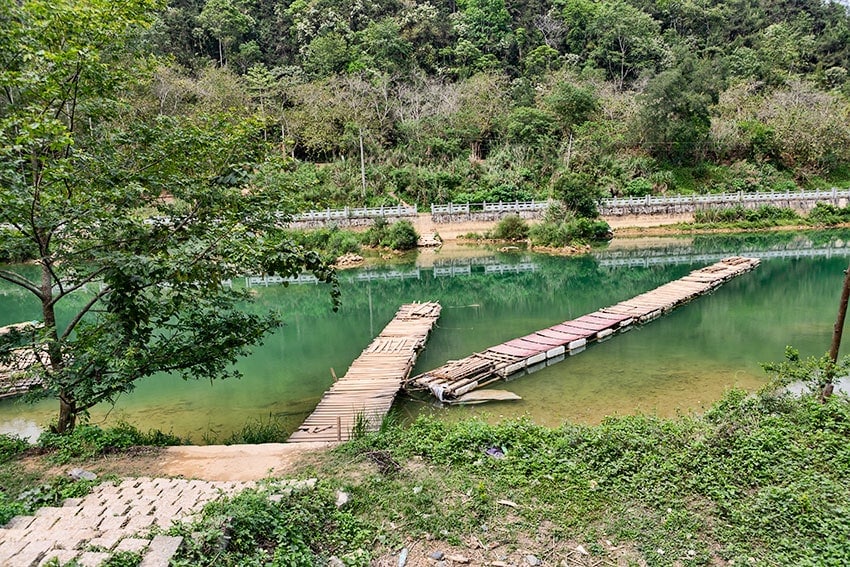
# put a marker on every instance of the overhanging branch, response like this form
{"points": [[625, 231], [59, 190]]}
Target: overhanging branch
{"points": [[21, 281]]}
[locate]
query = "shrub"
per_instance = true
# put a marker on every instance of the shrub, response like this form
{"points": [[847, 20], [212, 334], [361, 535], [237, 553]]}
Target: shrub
{"points": [[256, 431], [398, 236], [827, 215], [570, 232], [578, 193], [10, 446], [638, 187], [87, 441], [766, 215], [376, 233], [299, 526], [401, 236], [512, 227]]}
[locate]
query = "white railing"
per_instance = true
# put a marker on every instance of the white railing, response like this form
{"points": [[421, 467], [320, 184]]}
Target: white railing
{"points": [[489, 207], [726, 198], [539, 206], [357, 213]]}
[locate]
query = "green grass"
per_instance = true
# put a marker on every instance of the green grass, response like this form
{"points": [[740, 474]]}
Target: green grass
{"points": [[757, 476], [88, 441], [757, 479]]}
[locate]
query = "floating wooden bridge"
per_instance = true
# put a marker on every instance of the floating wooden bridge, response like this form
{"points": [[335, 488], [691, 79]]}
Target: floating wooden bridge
{"points": [[458, 377], [365, 394]]}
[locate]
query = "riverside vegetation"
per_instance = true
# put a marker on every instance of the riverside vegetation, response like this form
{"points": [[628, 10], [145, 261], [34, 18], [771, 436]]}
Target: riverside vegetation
{"points": [[153, 149], [756, 479]]}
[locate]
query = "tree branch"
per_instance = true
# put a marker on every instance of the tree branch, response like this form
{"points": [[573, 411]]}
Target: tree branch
{"points": [[82, 312], [21, 281]]}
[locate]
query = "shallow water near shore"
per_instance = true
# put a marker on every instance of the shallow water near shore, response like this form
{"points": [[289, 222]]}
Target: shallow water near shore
{"points": [[681, 362]]}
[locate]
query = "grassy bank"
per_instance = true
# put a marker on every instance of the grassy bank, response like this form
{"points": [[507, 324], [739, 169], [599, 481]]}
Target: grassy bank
{"points": [[758, 479]]}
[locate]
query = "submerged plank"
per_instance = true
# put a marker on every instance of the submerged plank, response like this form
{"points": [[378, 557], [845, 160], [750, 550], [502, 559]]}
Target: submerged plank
{"points": [[484, 396]]}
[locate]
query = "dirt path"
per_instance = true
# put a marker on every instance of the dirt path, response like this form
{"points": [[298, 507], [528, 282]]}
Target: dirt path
{"points": [[234, 462]]}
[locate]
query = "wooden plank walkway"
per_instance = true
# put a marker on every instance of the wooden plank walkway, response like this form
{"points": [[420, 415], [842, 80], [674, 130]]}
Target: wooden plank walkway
{"points": [[368, 389], [458, 377]]}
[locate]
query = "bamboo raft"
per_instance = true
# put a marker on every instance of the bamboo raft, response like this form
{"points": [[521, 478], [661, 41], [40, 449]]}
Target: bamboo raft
{"points": [[365, 394], [451, 381], [14, 378]]}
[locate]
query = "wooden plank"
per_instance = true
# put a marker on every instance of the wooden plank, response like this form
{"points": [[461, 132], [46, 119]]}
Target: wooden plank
{"points": [[640, 309], [563, 337], [368, 388], [512, 350]]}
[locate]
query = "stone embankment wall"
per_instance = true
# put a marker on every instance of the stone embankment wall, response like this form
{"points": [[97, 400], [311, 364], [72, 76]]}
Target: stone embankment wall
{"points": [[612, 208], [484, 216], [534, 210], [346, 222]]}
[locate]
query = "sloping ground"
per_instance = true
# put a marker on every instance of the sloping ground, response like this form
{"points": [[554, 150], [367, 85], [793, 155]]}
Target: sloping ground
{"points": [[111, 519], [115, 518]]}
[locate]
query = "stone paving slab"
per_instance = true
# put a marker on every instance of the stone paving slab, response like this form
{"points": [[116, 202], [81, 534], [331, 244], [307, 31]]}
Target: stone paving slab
{"points": [[112, 518]]}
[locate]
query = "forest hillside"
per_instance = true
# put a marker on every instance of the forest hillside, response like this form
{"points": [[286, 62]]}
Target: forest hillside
{"points": [[471, 100]]}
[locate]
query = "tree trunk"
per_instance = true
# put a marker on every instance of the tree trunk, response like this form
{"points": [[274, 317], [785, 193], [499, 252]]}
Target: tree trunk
{"points": [[67, 414], [837, 331], [362, 165], [839, 321], [67, 405]]}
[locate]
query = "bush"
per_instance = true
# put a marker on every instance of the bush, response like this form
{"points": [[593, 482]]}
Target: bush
{"points": [[301, 525], [257, 431], [10, 446], [512, 228], [766, 215], [828, 215], [48, 494], [570, 232], [402, 236], [398, 236], [638, 187], [578, 193], [87, 441], [331, 241], [376, 233]]}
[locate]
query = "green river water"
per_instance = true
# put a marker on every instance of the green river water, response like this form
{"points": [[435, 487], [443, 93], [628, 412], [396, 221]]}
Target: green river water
{"points": [[681, 362]]}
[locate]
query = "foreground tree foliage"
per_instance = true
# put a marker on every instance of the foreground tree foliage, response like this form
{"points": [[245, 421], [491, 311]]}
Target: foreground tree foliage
{"points": [[136, 222]]}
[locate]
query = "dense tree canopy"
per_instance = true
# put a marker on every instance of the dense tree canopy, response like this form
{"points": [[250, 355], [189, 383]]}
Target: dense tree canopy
{"points": [[488, 99]]}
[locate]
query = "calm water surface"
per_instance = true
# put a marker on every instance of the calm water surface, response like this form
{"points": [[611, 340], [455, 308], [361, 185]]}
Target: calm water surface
{"points": [[681, 362]]}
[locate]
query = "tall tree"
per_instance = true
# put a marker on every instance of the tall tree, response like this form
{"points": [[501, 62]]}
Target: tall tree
{"points": [[674, 118], [134, 225], [626, 40], [227, 21]]}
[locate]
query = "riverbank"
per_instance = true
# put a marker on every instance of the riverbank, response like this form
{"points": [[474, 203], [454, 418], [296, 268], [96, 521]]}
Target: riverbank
{"points": [[756, 480], [453, 231]]}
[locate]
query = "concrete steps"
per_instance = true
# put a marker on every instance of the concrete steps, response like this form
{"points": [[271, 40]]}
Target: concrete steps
{"points": [[113, 518]]}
